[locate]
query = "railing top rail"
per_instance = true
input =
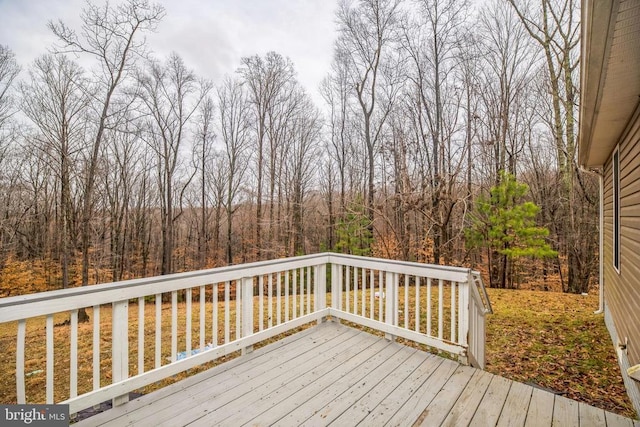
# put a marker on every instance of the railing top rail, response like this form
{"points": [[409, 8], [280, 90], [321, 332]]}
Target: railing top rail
{"points": [[69, 299], [484, 298], [31, 305], [456, 274]]}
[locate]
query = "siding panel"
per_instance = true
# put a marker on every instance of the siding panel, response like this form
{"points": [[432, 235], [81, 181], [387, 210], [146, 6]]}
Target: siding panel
{"points": [[622, 290]]}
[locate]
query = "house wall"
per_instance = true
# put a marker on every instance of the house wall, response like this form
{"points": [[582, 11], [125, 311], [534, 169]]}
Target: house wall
{"points": [[622, 289], [633, 390]]}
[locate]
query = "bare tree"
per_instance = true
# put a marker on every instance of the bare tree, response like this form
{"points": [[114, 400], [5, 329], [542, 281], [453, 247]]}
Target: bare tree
{"points": [[109, 35], [302, 145], [336, 91], [121, 173], [433, 42], [56, 100], [172, 95], [367, 30], [266, 78], [9, 70], [202, 157], [509, 63], [280, 121], [235, 128], [143, 203], [33, 202]]}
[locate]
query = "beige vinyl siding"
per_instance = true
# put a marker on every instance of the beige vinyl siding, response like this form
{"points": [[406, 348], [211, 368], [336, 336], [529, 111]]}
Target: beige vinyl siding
{"points": [[622, 290]]}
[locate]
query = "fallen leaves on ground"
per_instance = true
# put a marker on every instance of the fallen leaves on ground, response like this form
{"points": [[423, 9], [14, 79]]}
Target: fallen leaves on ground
{"points": [[555, 341]]}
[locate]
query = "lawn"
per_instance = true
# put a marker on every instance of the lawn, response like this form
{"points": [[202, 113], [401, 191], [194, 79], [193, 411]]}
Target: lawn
{"points": [[553, 340]]}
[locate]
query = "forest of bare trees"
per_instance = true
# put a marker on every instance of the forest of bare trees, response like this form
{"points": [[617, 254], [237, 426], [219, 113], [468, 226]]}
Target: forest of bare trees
{"points": [[131, 165]]}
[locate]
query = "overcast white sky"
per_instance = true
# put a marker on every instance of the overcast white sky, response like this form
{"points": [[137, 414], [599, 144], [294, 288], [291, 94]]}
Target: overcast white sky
{"points": [[210, 35]]}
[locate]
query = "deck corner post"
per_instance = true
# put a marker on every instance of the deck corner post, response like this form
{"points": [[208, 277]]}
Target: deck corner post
{"points": [[120, 347], [246, 302], [391, 302]]}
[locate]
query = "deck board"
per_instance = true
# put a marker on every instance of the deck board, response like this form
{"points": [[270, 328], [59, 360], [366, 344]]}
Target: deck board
{"points": [[438, 409], [358, 411], [590, 416], [256, 400], [514, 411], [540, 411], [414, 406], [492, 403], [312, 406], [394, 401], [565, 412], [466, 406], [332, 374], [160, 401], [224, 401], [315, 387], [615, 420]]}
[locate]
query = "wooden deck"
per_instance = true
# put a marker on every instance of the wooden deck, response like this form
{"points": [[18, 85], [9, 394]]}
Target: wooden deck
{"points": [[335, 375]]}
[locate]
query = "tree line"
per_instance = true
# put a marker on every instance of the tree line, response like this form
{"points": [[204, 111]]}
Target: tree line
{"points": [[131, 165]]}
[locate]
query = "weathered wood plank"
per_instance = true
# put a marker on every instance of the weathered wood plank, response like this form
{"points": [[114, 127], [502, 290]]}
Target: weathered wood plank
{"points": [[615, 420], [540, 411], [271, 398], [217, 403], [307, 404], [514, 411], [590, 416], [491, 405], [394, 401], [314, 385], [565, 412], [438, 409], [415, 404], [345, 397], [273, 405], [367, 403], [468, 402], [270, 355]]}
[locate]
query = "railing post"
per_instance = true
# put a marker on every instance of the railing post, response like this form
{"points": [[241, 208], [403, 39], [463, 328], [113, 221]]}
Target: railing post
{"points": [[464, 309], [120, 346], [246, 298], [476, 323], [320, 289], [335, 289], [481, 337], [391, 302]]}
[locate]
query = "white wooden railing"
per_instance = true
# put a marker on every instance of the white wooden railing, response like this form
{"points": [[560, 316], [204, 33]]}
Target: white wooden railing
{"points": [[146, 330]]}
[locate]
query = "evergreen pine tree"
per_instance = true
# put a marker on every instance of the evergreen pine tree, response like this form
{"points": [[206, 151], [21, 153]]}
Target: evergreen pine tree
{"points": [[505, 224], [353, 233]]}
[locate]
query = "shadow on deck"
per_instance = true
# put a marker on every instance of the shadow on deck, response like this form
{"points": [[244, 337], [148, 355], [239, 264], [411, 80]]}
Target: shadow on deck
{"points": [[332, 374]]}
